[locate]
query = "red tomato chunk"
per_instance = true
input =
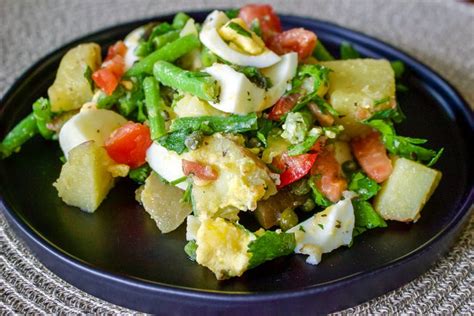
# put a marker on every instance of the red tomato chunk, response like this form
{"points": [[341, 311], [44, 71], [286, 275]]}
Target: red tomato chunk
{"points": [[296, 40], [128, 144], [269, 22], [293, 167], [108, 76]]}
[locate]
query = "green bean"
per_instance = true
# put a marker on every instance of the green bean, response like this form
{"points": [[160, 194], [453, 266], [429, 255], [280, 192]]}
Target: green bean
{"points": [[321, 53], [140, 174], [170, 52], [347, 51], [142, 49], [162, 40], [398, 68], [207, 57], [107, 101], [217, 124], [154, 106], [160, 29], [180, 20], [199, 84], [43, 115], [22, 132]]}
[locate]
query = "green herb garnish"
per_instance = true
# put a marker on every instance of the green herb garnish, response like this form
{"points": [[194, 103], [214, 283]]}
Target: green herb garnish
{"points": [[239, 29]]}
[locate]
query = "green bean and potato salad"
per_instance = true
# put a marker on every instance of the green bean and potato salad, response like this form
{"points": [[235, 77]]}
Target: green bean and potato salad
{"points": [[234, 118]]}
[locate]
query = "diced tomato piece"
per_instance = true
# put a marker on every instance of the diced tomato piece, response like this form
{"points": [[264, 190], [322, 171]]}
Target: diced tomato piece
{"points": [[283, 106], [330, 182], [105, 80], [372, 157], [296, 40], [293, 167], [267, 18], [118, 48], [108, 76], [203, 172], [116, 65], [128, 144]]}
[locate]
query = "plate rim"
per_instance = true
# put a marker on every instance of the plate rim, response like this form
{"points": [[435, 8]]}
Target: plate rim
{"points": [[459, 104]]}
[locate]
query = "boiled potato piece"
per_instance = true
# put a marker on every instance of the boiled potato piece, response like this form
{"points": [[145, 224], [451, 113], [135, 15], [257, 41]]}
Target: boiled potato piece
{"points": [[71, 89], [190, 105], [354, 85], [242, 179], [87, 177], [162, 202], [406, 191]]}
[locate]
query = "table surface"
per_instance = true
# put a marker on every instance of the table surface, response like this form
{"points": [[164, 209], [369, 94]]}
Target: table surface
{"points": [[439, 33]]}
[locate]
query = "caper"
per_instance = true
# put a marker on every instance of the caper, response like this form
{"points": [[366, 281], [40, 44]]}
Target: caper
{"points": [[193, 140], [309, 205], [300, 187], [349, 166], [254, 142], [287, 219]]}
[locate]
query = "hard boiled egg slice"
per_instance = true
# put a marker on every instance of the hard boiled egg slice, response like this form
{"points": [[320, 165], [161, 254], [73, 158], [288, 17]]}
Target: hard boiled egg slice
{"points": [[88, 125], [238, 94], [210, 37], [325, 231], [241, 96], [166, 163], [280, 75]]}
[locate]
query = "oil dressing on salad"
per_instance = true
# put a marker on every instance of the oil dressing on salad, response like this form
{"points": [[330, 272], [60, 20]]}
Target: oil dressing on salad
{"points": [[230, 118]]}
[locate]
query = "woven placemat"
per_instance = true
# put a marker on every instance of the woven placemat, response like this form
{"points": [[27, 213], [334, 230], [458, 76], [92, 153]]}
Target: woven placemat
{"points": [[439, 33]]}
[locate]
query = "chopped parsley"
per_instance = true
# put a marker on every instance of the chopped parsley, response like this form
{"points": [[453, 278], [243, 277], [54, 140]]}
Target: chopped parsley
{"points": [[239, 29], [407, 147], [381, 101], [255, 27], [187, 195], [318, 197], [363, 186], [88, 76], [232, 13]]}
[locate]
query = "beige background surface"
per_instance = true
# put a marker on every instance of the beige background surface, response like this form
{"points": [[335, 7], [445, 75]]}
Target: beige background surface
{"points": [[439, 33]]}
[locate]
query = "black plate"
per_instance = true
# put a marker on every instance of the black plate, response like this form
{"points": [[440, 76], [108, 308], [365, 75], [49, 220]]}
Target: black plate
{"points": [[118, 254]]}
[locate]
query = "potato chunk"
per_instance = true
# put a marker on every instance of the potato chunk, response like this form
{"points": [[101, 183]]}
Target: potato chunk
{"points": [[354, 85], [86, 177], [406, 191], [71, 89], [161, 201], [190, 105]]}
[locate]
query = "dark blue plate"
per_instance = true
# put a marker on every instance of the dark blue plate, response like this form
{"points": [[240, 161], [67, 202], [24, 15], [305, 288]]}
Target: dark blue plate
{"points": [[118, 254]]}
